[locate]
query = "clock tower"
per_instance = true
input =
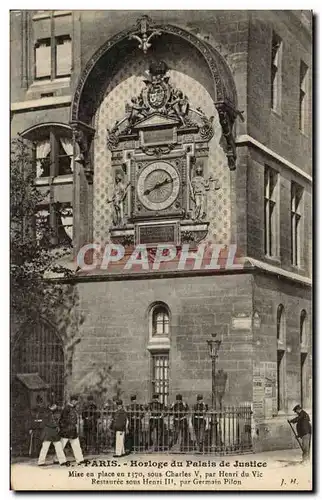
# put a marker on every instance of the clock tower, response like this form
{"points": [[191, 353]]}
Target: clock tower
{"points": [[159, 160]]}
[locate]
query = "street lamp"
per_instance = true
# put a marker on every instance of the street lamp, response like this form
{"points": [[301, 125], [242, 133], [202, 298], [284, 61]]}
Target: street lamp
{"points": [[214, 346]]}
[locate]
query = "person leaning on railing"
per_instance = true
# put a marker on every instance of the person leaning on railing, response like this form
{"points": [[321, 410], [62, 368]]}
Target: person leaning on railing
{"points": [[199, 421], [179, 410], [156, 424], [135, 415], [90, 417]]}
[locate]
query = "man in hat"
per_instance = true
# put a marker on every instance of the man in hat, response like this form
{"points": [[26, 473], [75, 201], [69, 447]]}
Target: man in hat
{"points": [[90, 417], [120, 427], [50, 434], [199, 421], [179, 411], [135, 414], [68, 428], [303, 429], [156, 409]]}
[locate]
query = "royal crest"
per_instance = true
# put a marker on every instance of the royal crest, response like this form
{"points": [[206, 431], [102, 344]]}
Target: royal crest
{"points": [[159, 97]]}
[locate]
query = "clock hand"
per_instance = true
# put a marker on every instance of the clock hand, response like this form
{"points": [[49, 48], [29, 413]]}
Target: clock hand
{"points": [[157, 185]]}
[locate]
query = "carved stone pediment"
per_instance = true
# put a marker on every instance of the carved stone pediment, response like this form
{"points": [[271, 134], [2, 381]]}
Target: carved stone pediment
{"points": [[156, 120]]}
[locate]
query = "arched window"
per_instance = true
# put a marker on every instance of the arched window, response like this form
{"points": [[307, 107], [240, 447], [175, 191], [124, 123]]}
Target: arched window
{"points": [[303, 327], [159, 347], [281, 324], [281, 358], [160, 321], [41, 351], [304, 358]]}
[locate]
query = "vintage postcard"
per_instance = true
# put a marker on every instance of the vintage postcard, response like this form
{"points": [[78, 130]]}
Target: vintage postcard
{"points": [[161, 249]]}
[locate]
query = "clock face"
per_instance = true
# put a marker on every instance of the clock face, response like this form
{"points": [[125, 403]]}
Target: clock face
{"points": [[158, 185]]}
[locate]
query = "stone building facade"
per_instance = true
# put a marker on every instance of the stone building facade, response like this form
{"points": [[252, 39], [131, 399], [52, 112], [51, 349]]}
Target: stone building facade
{"points": [[244, 115]]}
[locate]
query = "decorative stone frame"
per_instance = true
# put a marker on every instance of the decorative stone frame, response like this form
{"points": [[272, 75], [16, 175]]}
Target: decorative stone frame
{"points": [[224, 90], [158, 343]]}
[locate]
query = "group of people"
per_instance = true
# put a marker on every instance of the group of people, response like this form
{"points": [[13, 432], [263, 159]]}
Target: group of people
{"points": [[132, 420], [59, 428], [126, 425]]}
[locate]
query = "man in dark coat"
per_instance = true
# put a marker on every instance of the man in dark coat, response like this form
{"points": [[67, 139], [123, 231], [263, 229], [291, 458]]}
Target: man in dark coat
{"points": [[199, 421], [68, 429], [50, 434], [157, 430], [90, 417], [179, 411], [120, 427], [36, 426], [303, 429], [135, 414]]}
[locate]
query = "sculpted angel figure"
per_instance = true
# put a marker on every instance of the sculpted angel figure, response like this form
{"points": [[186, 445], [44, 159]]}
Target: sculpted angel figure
{"points": [[137, 109], [180, 105]]}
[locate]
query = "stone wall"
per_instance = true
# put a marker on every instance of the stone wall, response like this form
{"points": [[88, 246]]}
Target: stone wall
{"points": [[116, 332]]}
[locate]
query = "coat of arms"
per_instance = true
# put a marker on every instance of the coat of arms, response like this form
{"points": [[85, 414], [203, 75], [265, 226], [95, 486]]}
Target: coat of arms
{"points": [[157, 95]]}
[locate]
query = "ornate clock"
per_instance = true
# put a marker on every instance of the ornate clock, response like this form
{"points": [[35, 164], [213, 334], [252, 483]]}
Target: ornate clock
{"points": [[156, 149], [158, 185]]}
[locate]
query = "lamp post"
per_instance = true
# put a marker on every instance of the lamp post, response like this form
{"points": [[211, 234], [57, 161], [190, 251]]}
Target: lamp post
{"points": [[214, 346]]}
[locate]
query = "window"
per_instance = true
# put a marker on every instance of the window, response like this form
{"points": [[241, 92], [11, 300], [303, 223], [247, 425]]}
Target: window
{"points": [[59, 217], [160, 321], [296, 222], [53, 58], [303, 326], [41, 351], [276, 73], [160, 376], [53, 167], [304, 358], [52, 46], [271, 213], [54, 153], [159, 346], [281, 359], [43, 58], [303, 104]]}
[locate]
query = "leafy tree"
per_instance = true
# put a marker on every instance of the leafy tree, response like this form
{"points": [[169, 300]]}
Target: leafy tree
{"points": [[34, 260]]}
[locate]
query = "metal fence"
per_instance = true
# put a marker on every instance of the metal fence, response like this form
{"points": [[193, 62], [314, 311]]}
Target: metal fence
{"points": [[225, 431]]}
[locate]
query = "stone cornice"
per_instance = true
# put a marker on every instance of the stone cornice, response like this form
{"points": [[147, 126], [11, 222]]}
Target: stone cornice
{"points": [[44, 102], [251, 265], [246, 139]]}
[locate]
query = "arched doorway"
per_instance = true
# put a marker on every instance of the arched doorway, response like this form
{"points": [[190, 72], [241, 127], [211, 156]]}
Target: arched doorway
{"points": [[37, 370], [40, 350]]}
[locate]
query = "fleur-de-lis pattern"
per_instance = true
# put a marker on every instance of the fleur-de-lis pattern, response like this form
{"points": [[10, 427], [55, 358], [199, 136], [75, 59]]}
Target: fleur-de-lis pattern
{"points": [[128, 82]]}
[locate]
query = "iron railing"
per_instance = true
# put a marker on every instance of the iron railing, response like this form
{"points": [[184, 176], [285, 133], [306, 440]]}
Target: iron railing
{"points": [[225, 431]]}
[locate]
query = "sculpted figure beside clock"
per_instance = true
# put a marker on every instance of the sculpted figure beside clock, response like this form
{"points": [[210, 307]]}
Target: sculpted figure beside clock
{"points": [[198, 192], [118, 200]]}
